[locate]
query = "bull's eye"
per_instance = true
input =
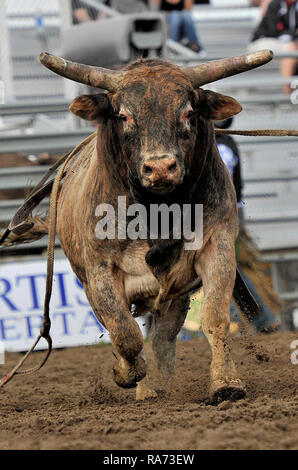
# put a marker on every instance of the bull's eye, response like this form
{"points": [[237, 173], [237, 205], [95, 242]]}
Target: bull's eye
{"points": [[188, 114], [122, 117]]}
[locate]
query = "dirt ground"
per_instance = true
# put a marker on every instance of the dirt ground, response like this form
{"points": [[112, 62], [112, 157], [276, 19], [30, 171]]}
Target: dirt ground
{"points": [[73, 403]]}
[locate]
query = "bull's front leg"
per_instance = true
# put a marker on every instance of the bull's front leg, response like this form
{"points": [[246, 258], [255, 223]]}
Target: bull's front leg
{"points": [[217, 267], [107, 298]]}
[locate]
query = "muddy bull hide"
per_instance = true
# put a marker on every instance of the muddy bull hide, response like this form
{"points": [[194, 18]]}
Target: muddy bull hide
{"points": [[155, 144]]}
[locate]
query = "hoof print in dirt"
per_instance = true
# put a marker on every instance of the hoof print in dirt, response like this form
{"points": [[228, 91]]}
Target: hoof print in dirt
{"points": [[227, 393]]}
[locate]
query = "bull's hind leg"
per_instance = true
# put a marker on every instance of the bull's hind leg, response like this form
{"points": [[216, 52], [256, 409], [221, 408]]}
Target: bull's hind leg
{"points": [[144, 391], [217, 267], [107, 299], [166, 326]]}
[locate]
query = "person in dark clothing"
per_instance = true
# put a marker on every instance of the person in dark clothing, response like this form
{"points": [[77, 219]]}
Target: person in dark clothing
{"points": [[278, 31], [229, 152], [180, 22], [280, 19]]}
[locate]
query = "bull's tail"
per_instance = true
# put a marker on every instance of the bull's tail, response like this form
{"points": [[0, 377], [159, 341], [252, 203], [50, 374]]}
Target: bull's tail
{"points": [[33, 229], [244, 298]]}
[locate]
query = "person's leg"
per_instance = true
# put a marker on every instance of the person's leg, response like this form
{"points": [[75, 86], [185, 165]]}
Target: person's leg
{"points": [[288, 66], [174, 21], [189, 30]]}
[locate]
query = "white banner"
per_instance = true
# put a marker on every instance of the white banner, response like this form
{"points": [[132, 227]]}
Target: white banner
{"points": [[22, 288]]}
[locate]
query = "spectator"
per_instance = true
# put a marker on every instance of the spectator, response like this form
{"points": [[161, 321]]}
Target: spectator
{"points": [[278, 31], [180, 22]]}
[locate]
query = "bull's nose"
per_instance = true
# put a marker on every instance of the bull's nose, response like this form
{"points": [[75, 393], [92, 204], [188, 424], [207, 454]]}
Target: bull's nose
{"points": [[161, 169]]}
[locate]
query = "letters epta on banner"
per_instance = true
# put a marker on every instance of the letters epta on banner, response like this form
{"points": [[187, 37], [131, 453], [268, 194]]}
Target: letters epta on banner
{"points": [[22, 288]]}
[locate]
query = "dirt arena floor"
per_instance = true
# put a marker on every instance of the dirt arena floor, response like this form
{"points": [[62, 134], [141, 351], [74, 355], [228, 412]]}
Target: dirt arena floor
{"points": [[73, 403]]}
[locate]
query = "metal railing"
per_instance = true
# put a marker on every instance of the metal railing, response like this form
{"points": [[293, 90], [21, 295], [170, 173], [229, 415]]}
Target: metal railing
{"points": [[15, 109], [9, 207], [47, 142], [21, 177]]}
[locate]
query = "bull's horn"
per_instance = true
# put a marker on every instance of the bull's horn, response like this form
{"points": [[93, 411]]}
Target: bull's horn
{"points": [[217, 69], [97, 77]]}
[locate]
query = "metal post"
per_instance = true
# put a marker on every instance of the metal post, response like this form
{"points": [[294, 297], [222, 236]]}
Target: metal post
{"points": [[71, 89], [5, 55]]}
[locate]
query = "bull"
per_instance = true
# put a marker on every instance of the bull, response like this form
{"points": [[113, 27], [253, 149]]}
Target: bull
{"points": [[154, 144]]}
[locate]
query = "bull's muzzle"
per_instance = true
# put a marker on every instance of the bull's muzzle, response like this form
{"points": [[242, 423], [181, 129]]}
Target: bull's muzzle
{"points": [[161, 174]]}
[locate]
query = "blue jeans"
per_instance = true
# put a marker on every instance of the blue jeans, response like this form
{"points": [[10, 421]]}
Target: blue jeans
{"points": [[182, 26]]}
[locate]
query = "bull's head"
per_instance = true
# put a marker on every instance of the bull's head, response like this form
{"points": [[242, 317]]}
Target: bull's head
{"points": [[159, 110]]}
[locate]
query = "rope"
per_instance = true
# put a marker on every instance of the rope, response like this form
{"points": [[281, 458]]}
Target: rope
{"points": [[45, 329], [259, 132]]}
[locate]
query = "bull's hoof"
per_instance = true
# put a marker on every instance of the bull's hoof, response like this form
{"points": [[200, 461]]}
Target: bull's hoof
{"points": [[127, 375], [122, 382], [232, 390]]}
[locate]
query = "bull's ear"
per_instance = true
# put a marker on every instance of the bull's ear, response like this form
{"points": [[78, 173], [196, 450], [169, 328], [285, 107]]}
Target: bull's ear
{"points": [[216, 106], [91, 107]]}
